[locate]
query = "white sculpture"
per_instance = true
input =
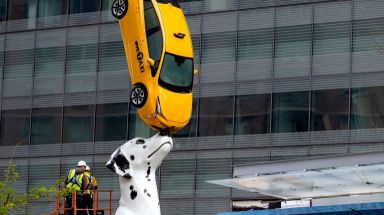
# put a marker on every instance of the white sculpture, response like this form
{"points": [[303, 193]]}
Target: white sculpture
{"points": [[136, 162]]}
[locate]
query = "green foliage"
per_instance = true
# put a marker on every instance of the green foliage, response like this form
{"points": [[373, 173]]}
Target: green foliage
{"points": [[10, 200]]}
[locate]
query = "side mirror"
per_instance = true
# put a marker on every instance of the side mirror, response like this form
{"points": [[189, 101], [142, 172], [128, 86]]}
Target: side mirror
{"points": [[195, 71], [151, 62]]}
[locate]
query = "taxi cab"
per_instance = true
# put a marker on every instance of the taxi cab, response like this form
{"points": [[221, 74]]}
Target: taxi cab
{"points": [[159, 53]]}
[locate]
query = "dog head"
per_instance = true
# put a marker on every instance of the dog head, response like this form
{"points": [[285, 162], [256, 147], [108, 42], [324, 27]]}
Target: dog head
{"points": [[139, 155]]}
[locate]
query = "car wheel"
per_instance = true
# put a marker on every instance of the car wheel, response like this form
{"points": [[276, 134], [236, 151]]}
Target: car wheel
{"points": [[119, 8], [138, 95]]}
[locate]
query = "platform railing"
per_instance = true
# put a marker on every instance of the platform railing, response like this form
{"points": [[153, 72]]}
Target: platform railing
{"points": [[96, 210]]}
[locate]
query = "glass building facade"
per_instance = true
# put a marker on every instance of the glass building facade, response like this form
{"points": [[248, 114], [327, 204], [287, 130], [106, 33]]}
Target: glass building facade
{"points": [[278, 79]]}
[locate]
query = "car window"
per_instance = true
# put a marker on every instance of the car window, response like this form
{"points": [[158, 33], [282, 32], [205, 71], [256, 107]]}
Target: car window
{"points": [[176, 73], [173, 2], [153, 33]]}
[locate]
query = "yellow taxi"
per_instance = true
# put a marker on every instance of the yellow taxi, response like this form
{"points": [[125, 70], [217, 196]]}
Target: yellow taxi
{"points": [[159, 53]]}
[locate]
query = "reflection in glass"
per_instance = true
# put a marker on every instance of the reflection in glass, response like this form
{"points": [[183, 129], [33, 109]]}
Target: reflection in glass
{"points": [[177, 176], [52, 8], [46, 126], [332, 38], [21, 9], [255, 44], [18, 63], [252, 114], [15, 127], [112, 57], [368, 35], [3, 10], [78, 124], [176, 73], [82, 58], [111, 122], [290, 112], [329, 109], [136, 127], [50, 61], [367, 105], [218, 47], [216, 116], [83, 6], [293, 41]]}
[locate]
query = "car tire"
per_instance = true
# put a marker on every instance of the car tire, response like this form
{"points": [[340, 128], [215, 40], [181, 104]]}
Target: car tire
{"points": [[119, 8], [138, 95]]}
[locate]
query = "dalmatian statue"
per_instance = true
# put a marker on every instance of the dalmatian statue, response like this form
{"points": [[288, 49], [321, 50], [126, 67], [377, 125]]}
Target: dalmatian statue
{"points": [[136, 162]]}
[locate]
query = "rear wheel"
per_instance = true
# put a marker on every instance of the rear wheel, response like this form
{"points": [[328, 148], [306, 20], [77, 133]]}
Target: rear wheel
{"points": [[138, 95], [119, 8]]}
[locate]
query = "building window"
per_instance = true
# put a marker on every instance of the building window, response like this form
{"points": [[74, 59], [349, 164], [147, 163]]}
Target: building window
{"points": [[252, 114], [329, 110], [218, 47], [3, 10], [367, 105], [331, 38], [111, 122], [216, 116], [21, 9], [177, 176], [82, 51], [46, 126], [78, 124], [15, 127], [290, 112], [112, 58], [84, 6], [137, 128], [255, 44], [52, 8]]}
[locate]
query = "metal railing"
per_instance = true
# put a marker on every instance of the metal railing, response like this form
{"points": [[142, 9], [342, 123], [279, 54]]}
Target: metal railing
{"points": [[95, 210]]}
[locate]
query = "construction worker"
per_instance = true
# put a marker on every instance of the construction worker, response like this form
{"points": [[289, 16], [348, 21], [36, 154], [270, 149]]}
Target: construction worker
{"points": [[91, 186], [75, 181]]}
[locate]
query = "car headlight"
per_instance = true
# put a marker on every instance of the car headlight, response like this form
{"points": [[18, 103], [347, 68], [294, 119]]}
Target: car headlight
{"points": [[158, 107]]}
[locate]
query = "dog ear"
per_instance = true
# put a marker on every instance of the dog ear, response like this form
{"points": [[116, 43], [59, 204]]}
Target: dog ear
{"points": [[119, 164]]}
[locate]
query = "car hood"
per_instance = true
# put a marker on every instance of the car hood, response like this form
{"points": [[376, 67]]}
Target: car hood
{"points": [[175, 107]]}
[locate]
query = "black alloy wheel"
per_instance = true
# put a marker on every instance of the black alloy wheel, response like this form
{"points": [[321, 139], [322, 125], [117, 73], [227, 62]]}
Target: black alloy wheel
{"points": [[138, 95], [119, 8]]}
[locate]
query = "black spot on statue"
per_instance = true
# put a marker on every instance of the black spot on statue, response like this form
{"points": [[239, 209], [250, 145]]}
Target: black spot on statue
{"points": [[148, 163], [145, 190], [149, 179], [122, 162], [149, 195], [132, 157], [133, 194], [140, 141], [144, 146], [111, 167], [131, 187], [127, 175], [149, 170]]}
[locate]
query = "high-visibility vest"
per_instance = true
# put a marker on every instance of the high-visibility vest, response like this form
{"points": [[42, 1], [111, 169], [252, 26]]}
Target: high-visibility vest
{"points": [[75, 181], [91, 183]]}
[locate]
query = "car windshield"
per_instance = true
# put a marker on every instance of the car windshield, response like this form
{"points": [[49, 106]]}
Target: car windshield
{"points": [[176, 73]]}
